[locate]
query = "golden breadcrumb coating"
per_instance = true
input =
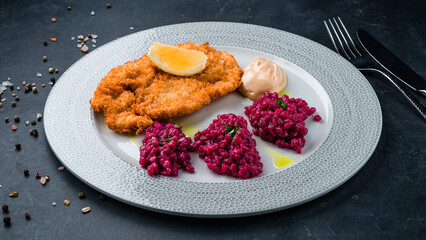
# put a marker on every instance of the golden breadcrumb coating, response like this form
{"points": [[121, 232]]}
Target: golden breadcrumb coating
{"points": [[134, 95]]}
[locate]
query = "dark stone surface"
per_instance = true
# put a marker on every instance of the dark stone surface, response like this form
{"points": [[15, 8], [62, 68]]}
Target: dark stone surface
{"points": [[385, 200]]}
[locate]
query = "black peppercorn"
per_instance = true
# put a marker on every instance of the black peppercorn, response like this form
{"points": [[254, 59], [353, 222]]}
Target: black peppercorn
{"points": [[45, 43], [27, 216], [102, 197], [6, 119], [81, 195], [11, 87], [18, 146], [6, 221], [5, 208], [108, 5], [26, 173], [34, 132], [33, 122], [17, 98], [16, 118], [13, 104]]}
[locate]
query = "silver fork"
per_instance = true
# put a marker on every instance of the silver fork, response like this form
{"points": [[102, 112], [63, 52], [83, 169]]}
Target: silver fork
{"points": [[346, 47]]}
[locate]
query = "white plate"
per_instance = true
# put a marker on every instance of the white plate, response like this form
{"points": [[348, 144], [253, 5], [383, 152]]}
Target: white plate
{"points": [[336, 148]]}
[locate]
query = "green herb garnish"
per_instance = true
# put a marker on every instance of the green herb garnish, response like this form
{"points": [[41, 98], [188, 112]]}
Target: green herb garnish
{"points": [[282, 103], [176, 126]]}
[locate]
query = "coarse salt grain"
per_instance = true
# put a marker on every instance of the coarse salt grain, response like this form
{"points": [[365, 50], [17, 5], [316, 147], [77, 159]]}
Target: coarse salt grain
{"points": [[92, 13]]}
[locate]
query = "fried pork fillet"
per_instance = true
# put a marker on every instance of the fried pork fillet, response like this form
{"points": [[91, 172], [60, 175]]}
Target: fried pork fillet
{"points": [[134, 95]]}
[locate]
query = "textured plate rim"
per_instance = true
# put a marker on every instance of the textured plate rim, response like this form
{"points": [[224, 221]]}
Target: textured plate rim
{"points": [[50, 126]]}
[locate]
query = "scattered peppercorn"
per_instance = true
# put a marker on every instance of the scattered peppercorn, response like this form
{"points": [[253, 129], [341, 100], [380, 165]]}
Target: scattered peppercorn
{"points": [[1, 104], [16, 118], [17, 98], [44, 58], [6, 221], [43, 85], [23, 83], [13, 104], [26, 173], [56, 70], [51, 70], [6, 119], [45, 43], [53, 20], [33, 122], [61, 168], [102, 197], [108, 5], [52, 39], [14, 127], [47, 178], [69, 8], [26, 89], [11, 87], [52, 79], [34, 89], [81, 195], [37, 175], [14, 194], [27, 216], [39, 117], [5, 208], [13, 95], [18, 146], [34, 84], [66, 202]]}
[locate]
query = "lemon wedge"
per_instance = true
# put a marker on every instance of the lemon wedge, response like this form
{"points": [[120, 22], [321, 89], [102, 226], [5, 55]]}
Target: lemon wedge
{"points": [[177, 61]]}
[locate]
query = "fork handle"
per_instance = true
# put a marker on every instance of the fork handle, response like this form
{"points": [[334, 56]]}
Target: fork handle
{"points": [[420, 107]]}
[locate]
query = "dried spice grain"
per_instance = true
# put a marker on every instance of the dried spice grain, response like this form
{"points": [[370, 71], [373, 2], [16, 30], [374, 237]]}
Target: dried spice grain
{"points": [[6, 119], [13, 104], [18, 146], [37, 175], [69, 8], [67, 202], [27, 216], [26, 173], [45, 43], [85, 48], [85, 210], [61, 168], [33, 122], [53, 20], [81, 195], [5, 208], [14, 127], [16, 118], [108, 5], [52, 39], [44, 58], [35, 90], [14, 194], [102, 197], [6, 221], [47, 178]]}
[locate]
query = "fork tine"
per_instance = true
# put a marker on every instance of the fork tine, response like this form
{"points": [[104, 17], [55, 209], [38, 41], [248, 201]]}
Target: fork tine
{"points": [[349, 36], [331, 36], [343, 37], [338, 39]]}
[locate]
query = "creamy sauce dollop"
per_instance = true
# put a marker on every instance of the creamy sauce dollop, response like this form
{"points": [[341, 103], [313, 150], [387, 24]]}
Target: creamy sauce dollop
{"points": [[261, 76]]}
